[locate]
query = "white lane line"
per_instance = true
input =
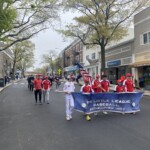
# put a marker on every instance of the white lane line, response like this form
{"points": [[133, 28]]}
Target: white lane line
{"points": [[21, 83]]}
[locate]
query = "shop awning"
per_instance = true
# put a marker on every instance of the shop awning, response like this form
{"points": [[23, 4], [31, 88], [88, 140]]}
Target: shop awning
{"points": [[71, 68], [139, 64]]}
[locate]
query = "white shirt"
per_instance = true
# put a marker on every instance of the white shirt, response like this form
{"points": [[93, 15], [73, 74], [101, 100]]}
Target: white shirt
{"points": [[69, 87]]}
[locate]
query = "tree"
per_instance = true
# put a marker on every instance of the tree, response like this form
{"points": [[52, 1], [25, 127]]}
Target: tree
{"points": [[49, 59], [101, 21], [7, 15], [23, 54], [32, 18]]}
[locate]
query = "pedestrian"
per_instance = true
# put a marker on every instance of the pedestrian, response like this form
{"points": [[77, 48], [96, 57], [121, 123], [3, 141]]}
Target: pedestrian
{"points": [[51, 78], [96, 85], [120, 87], [31, 85], [38, 88], [86, 89], [46, 89], [128, 83], [68, 88], [105, 83], [105, 86], [57, 81]]}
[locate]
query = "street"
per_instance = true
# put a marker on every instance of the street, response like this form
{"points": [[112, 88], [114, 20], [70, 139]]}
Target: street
{"points": [[26, 126]]}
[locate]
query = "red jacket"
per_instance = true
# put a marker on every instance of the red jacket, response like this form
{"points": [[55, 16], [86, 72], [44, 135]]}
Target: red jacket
{"points": [[96, 86], [37, 84], [129, 85], [86, 89], [120, 88], [46, 84], [105, 85]]}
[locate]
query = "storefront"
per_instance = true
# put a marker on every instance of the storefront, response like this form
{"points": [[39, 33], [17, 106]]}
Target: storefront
{"points": [[143, 72], [114, 70]]}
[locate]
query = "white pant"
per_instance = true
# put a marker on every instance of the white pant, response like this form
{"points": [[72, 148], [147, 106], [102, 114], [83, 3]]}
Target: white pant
{"points": [[46, 95], [69, 105]]}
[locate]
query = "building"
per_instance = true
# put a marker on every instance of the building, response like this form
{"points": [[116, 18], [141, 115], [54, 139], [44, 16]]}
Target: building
{"points": [[73, 54], [142, 47], [5, 62], [118, 55]]}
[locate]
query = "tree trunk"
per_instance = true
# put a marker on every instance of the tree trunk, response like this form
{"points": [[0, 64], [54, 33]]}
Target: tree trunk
{"points": [[103, 71], [13, 70]]}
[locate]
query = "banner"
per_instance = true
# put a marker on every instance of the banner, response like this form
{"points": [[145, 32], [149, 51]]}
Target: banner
{"points": [[111, 102]]}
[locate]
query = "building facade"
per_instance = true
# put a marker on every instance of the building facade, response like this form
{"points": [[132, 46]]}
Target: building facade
{"points": [[73, 54], [5, 63], [142, 47]]}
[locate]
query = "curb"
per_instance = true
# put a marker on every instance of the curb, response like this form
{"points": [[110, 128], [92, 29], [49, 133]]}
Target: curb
{"points": [[3, 88]]}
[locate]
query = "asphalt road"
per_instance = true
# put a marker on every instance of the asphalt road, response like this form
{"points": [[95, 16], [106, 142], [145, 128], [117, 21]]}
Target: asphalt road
{"points": [[26, 126]]}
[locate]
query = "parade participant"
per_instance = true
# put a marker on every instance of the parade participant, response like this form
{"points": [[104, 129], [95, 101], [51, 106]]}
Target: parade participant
{"points": [[31, 83], [97, 85], [68, 88], [46, 89], [86, 89], [120, 87], [105, 84], [38, 88], [128, 83]]}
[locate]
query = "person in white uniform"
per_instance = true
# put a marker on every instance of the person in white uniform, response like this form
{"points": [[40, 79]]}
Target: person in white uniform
{"points": [[68, 88]]}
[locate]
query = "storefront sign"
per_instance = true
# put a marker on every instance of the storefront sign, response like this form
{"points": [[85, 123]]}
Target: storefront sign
{"points": [[71, 68], [114, 63]]}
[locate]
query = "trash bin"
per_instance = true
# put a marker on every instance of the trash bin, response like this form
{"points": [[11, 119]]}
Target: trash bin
{"points": [[2, 82]]}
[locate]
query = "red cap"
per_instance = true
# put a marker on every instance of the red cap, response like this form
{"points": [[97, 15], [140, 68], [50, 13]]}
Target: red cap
{"points": [[119, 81], [97, 76], [46, 77], [38, 75], [122, 78], [128, 75]]}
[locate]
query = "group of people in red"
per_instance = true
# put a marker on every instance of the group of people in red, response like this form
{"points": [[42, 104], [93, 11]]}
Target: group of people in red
{"points": [[41, 86], [124, 84]]}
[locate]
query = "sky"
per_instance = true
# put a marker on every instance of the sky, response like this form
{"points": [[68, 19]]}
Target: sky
{"points": [[51, 40]]}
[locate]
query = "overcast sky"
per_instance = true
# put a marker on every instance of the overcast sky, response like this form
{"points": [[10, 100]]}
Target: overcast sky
{"points": [[51, 40]]}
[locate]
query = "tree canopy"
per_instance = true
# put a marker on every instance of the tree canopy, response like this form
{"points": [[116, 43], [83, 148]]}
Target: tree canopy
{"points": [[101, 21]]}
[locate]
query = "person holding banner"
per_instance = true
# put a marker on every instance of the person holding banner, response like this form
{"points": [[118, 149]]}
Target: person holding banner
{"points": [[105, 84], [96, 85], [67, 89], [120, 87], [85, 89], [128, 83]]}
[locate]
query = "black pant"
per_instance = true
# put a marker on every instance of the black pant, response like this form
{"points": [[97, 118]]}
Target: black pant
{"points": [[31, 87], [36, 92]]}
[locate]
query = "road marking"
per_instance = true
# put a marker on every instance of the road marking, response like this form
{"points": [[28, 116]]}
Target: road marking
{"points": [[21, 83]]}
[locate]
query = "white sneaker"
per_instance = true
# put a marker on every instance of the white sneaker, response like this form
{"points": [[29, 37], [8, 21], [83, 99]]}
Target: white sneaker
{"points": [[105, 112], [67, 118], [70, 117]]}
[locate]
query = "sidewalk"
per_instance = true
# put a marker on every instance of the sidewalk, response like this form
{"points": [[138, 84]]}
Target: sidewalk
{"points": [[8, 84]]}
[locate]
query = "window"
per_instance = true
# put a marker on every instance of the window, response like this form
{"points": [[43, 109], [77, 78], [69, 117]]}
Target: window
{"points": [[93, 55], [87, 57], [146, 38]]}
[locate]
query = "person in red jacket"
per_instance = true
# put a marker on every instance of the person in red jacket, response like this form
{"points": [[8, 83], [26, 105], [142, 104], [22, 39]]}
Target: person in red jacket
{"points": [[46, 89], [97, 85], [85, 89], [105, 84], [38, 88], [128, 83], [120, 87]]}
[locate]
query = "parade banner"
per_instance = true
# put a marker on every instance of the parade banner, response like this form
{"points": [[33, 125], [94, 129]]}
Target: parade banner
{"points": [[111, 102]]}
